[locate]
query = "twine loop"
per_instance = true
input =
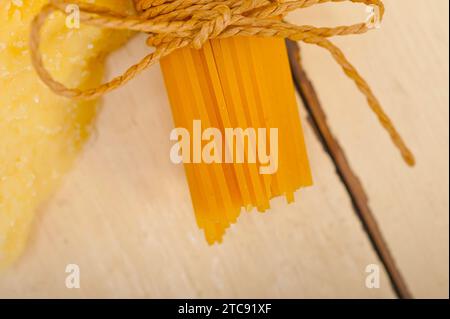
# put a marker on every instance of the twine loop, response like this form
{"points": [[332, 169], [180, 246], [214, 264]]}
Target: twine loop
{"points": [[174, 24]]}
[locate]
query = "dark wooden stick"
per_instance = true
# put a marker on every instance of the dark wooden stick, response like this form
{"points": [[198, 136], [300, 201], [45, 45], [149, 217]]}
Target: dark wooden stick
{"points": [[354, 187]]}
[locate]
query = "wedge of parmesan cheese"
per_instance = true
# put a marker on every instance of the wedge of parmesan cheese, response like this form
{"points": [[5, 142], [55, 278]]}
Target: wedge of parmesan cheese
{"points": [[40, 132]]}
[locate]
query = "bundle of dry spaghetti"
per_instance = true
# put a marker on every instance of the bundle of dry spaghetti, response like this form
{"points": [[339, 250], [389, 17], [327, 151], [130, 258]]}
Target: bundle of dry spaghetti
{"points": [[225, 64], [237, 83]]}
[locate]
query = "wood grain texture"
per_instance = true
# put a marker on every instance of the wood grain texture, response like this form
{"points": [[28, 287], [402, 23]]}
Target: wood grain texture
{"points": [[124, 213], [348, 177], [406, 62]]}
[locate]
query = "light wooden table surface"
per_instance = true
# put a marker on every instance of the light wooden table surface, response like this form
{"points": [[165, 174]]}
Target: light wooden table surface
{"points": [[124, 213]]}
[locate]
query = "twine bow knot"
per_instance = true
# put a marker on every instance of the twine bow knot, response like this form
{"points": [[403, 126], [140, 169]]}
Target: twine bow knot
{"points": [[211, 28], [174, 24]]}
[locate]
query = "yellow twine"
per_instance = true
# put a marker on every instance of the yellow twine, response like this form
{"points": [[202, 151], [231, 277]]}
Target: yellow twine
{"points": [[174, 24]]}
